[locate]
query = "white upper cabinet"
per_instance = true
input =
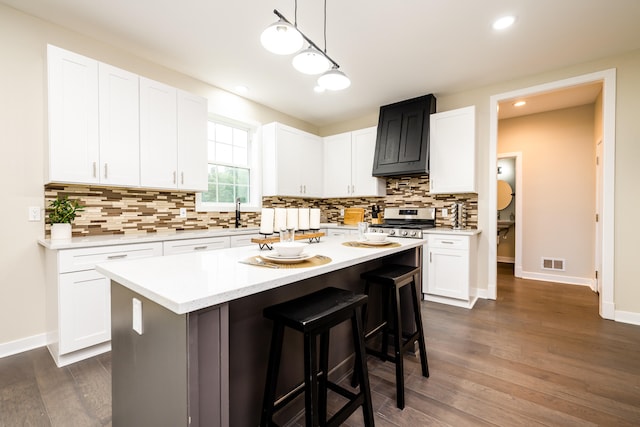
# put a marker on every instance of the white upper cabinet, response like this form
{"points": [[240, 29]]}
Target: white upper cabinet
{"points": [[73, 117], [192, 142], [348, 165], [158, 135], [119, 127], [452, 152], [292, 162], [112, 127]]}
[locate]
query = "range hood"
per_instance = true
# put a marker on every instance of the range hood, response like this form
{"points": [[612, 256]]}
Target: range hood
{"points": [[402, 144]]}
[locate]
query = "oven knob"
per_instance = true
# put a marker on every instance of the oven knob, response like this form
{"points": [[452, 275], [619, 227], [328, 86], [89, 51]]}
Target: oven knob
{"points": [[413, 234], [404, 233], [392, 232]]}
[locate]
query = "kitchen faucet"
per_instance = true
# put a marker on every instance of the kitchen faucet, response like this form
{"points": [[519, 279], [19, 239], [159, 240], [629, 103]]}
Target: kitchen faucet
{"points": [[238, 212]]}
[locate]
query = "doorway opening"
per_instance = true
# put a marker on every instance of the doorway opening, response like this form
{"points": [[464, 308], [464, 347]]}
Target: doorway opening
{"points": [[606, 192], [509, 210]]}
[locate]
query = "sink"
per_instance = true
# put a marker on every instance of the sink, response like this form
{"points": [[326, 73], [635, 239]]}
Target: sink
{"points": [[503, 224]]}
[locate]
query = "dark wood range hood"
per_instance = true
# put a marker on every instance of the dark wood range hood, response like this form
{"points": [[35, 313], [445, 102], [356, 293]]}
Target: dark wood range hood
{"points": [[402, 145]]}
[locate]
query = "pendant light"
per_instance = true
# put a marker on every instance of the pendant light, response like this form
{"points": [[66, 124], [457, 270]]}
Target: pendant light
{"points": [[334, 79], [311, 61], [281, 38]]}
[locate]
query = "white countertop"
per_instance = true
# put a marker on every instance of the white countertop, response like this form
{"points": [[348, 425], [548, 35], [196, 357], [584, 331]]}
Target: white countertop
{"points": [[459, 232], [125, 239], [189, 282]]}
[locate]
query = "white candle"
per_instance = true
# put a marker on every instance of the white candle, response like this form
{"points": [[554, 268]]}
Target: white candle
{"points": [[314, 218], [303, 218], [266, 221], [281, 219], [292, 218]]}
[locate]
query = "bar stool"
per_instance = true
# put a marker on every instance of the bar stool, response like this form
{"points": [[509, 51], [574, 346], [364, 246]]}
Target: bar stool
{"points": [[314, 315], [391, 278]]}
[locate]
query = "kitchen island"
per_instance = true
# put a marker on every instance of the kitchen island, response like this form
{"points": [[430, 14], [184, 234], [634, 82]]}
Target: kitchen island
{"points": [[198, 354]]}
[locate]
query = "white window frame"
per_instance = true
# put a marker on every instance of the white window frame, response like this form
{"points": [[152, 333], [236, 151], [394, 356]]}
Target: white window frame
{"points": [[255, 165]]}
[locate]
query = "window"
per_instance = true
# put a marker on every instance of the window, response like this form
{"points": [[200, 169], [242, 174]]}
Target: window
{"points": [[232, 171]]}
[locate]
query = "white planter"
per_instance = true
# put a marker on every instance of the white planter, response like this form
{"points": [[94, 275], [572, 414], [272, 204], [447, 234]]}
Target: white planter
{"points": [[60, 231]]}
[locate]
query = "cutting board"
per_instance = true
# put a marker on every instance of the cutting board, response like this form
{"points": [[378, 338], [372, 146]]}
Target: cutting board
{"points": [[352, 216]]}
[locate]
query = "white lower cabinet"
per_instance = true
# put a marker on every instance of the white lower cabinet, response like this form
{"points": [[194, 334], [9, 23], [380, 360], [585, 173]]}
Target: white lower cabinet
{"points": [[78, 302], [450, 269], [84, 310]]}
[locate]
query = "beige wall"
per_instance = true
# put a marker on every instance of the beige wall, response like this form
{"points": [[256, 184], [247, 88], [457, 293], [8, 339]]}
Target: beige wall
{"points": [[22, 111], [558, 189]]}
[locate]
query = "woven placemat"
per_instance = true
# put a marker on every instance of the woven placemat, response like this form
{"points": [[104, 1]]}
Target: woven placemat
{"points": [[355, 244], [311, 262]]}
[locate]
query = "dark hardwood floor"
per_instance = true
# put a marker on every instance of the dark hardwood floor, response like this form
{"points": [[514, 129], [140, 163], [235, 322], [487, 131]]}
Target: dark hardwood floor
{"points": [[539, 355]]}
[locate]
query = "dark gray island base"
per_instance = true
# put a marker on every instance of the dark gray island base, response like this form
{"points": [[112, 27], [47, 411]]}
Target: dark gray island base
{"points": [[207, 367]]}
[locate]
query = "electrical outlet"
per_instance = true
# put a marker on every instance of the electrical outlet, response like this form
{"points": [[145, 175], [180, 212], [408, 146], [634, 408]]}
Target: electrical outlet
{"points": [[34, 213], [445, 212], [341, 212], [183, 212]]}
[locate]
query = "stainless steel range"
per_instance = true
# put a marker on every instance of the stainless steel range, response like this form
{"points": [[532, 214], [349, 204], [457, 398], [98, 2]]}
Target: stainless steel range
{"points": [[406, 222]]}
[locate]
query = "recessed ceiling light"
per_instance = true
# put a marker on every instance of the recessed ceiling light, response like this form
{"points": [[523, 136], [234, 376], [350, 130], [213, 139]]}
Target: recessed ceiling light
{"points": [[504, 22], [519, 103], [242, 89]]}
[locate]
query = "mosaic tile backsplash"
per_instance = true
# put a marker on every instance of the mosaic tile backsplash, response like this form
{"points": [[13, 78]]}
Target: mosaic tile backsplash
{"points": [[110, 210]]}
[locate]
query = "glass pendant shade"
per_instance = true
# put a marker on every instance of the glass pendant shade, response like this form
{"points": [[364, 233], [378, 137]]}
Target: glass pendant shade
{"points": [[311, 61], [281, 38], [334, 79]]}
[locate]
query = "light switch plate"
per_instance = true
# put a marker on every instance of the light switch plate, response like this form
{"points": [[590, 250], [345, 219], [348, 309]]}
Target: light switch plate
{"points": [[137, 315], [34, 213], [445, 212], [183, 212]]}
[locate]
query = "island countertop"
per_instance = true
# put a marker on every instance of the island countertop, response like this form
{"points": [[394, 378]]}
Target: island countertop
{"points": [[189, 282]]}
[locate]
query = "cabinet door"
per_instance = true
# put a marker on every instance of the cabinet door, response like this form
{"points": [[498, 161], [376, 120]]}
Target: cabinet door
{"points": [[453, 152], [403, 137], [158, 135], [289, 153], [119, 127], [310, 165], [337, 165], [73, 117], [192, 142], [363, 146], [448, 273], [85, 310]]}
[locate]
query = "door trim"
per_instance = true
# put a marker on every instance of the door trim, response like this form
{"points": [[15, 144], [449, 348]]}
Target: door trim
{"points": [[608, 79], [519, 190]]}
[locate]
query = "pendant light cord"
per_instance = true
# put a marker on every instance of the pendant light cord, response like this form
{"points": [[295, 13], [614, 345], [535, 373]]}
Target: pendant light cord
{"points": [[325, 26]]}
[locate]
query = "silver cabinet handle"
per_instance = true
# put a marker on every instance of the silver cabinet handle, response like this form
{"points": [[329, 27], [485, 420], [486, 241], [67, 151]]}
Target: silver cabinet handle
{"points": [[430, 256], [305, 189], [447, 242], [182, 178], [199, 248], [94, 169], [119, 256], [105, 170], [348, 189], [174, 177]]}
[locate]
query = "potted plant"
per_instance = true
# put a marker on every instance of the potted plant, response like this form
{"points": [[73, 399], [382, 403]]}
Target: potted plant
{"points": [[61, 212]]}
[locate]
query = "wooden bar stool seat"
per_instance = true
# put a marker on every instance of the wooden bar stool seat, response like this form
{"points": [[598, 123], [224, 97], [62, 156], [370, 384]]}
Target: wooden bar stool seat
{"points": [[314, 315], [391, 278]]}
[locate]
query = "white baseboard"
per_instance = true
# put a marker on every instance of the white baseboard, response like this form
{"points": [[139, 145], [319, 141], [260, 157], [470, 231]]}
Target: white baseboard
{"points": [[23, 344], [569, 280], [627, 317]]}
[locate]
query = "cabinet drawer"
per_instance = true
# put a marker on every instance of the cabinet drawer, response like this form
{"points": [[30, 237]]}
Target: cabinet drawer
{"points": [[243, 240], [86, 258], [191, 245], [448, 242]]}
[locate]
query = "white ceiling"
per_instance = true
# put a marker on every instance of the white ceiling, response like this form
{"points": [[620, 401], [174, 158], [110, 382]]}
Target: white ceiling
{"points": [[391, 50]]}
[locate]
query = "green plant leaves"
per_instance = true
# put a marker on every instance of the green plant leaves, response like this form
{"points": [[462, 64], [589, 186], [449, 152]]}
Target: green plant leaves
{"points": [[62, 210]]}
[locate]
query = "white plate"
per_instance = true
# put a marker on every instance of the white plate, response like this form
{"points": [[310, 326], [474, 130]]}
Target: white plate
{"points": [[285, 259], [372, 243]]}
